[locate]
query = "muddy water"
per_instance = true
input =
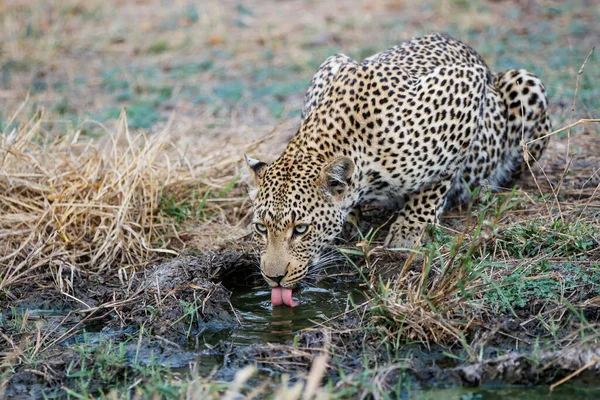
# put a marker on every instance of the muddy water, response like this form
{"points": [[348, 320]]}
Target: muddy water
{"points": [[262, 323]]}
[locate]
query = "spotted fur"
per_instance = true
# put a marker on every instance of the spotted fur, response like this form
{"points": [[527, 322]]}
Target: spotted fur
{"points": [[417, 127]]}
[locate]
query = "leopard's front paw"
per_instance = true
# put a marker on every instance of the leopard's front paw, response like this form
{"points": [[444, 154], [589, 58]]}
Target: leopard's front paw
{"points": [[351, 228], [399, 238]]}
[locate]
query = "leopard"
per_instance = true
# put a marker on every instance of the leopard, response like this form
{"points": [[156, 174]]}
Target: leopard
{"points": [[415, 128]]}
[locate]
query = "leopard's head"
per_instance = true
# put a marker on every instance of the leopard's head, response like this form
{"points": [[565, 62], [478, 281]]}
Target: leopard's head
{"points": [[299, 209]]}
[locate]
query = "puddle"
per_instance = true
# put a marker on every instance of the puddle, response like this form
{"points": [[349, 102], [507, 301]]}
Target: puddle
{"points": [[262, 323], [211, 340]]}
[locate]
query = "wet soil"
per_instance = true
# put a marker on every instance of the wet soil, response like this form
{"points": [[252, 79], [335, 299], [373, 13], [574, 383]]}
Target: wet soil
{"points": [[214, 310]]}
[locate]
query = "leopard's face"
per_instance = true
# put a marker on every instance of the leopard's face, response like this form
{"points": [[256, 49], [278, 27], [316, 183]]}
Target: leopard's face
{"points": [[298, 211]]}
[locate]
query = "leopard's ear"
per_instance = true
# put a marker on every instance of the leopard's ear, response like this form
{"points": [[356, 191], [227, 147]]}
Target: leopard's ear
{"points": [[336, 176], [253, 174]]}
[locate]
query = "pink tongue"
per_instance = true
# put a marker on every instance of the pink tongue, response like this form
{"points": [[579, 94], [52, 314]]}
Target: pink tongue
{"points": [[280, 295]]}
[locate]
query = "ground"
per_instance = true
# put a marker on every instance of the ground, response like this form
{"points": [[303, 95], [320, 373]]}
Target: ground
{"points": [[126, 265]]}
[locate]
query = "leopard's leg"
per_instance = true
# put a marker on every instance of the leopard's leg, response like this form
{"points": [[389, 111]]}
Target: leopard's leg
{"points": [[536, 143], [484, 153], [515, 114], [525, 106], [352, 224], [421, 209]]}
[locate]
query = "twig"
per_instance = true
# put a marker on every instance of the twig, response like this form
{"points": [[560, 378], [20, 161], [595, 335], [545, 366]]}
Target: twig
{"points": [[580, 122], [574, 374], [579, 73]]}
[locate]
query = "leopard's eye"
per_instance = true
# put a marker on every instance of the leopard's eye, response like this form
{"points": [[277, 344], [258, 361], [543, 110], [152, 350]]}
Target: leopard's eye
{"points": [[300, 229], [260, 228]]}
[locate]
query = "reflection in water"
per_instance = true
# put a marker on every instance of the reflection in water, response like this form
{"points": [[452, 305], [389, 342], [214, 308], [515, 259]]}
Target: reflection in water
{"points": [[261, 322], [282, 312], [282, 322]]}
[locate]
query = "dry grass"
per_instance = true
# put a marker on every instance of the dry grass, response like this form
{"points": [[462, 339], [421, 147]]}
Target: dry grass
{"points": [[98, 205], [427, 299], [68, 203], [112, 204], [240, 387], [71, 203]]}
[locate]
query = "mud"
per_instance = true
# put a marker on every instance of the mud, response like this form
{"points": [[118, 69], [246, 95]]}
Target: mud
{"points": [[185, 295], [163, 297], [213, 310]]}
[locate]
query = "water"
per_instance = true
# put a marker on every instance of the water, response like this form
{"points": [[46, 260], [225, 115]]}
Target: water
{"points": [[262, 323]]}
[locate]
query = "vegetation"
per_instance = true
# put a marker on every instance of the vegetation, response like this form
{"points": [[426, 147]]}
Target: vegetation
{"points": [[121, 137]]}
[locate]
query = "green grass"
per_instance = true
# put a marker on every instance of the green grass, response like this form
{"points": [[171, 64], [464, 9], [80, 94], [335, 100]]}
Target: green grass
{"points": [[141, 114], [496, 268], [194, 208], [552, 239], [159, 46], [217, 71], [541, 282], [18, 322], [101, 368], [546, 261], [189, 315], [275, 87]]}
